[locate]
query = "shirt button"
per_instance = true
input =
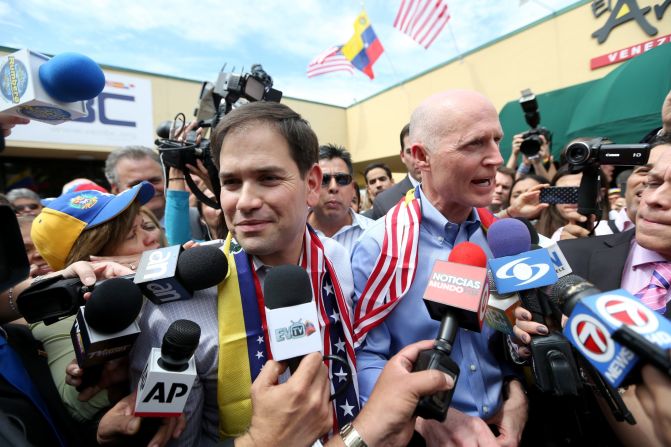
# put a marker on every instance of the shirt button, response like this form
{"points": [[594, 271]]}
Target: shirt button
{"points": [[440, 239], [473, 367], [485, 409]]}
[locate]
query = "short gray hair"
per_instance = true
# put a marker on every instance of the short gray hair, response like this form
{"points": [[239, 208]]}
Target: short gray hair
{"points": [[22, 193], [132, 152]]}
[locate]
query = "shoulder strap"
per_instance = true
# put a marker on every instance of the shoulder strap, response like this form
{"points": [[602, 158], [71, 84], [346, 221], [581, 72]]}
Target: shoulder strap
{"points": [[613, 227]]}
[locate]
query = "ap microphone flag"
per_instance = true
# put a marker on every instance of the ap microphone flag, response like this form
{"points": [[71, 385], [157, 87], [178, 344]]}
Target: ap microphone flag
{"points": [[50, 90], [168, 376]]}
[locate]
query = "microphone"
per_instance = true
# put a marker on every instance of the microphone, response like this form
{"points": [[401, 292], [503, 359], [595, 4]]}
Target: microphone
{"points": [[291, 315], [516, 269], [168, 376], [457, 296], [559, 262], [501, 308], [105, 326], [613, 330], [49, 90], [163, 275], [170, 274]]}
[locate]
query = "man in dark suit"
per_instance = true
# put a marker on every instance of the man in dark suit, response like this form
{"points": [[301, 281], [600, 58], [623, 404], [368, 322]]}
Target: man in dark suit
{"points": [[387, 199], [628, 260]]}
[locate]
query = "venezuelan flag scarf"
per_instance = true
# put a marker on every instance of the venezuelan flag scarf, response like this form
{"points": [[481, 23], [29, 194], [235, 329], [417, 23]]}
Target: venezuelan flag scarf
{"points": [[243, 336], [395, 267]]}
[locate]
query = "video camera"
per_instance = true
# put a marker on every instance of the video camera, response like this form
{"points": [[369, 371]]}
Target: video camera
{"points": [[215, 100], [532, 142], [588, 156]]}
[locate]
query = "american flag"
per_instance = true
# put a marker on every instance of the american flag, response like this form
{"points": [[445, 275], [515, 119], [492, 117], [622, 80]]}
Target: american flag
{"points": [[422, 20], [329, 61]]}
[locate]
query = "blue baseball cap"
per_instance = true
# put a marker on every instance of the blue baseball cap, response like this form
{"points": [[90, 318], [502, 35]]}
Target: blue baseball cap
{"points": [[64, 218]]}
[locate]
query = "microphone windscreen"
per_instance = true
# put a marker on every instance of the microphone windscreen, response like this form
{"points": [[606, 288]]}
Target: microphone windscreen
{"points": [[201, 267], [71, 77], [559, 293], [532, 231], [180, 341], [508, 237], [468, 253], [113, 305], [163, 129], [285, 286]]}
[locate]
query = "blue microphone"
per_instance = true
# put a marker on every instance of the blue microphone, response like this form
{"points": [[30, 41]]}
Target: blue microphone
{"points": [[51, 90], [70, 77]]}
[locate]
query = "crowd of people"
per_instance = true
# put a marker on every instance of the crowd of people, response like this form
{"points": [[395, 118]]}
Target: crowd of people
{"points": [[286, 199]]}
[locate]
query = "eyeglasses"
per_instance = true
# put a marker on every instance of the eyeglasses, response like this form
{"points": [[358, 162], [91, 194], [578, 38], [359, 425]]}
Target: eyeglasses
{"points": [[341, 179], [27, 207]]}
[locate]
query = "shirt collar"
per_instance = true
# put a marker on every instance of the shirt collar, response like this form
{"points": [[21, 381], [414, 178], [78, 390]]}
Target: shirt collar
{"points": [[641, 256], [438, 224], [413, 181]]}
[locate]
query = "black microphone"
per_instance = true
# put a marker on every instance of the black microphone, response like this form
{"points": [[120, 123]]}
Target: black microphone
{"points": [[163, 275], [105, 326], [169, 373]]}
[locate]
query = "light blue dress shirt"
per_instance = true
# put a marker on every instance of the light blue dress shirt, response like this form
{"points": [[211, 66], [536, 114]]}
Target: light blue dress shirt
{"points": [[478, 391]]}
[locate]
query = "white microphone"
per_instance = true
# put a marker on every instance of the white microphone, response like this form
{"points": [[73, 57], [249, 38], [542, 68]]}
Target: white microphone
{"points": [[168, 377]]}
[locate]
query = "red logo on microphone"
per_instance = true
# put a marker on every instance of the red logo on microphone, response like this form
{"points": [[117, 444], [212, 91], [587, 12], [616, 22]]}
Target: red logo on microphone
{"points": [[592, 338], [620, 310]]}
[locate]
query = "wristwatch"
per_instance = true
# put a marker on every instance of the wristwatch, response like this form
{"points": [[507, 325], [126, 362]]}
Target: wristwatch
{"points": [[351, 437]]}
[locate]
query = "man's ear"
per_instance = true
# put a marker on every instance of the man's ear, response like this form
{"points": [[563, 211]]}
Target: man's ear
{"points": [[422, 157], [313, 184]]}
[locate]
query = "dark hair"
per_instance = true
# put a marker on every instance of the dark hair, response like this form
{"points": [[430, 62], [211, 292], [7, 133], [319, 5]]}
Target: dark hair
{"points": [[404, 133], [298, 134], [510, 172], [331, 151], [372, 166], [659, 140], [357, 193]]}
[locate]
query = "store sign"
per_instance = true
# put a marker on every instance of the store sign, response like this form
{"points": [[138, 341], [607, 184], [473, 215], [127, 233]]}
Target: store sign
{"points": [[120, 116], [627, 53], [625, 11]]}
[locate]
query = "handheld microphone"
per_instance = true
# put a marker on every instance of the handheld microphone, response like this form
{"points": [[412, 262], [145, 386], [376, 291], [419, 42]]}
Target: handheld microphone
{"points": [[456, 295], [170, 274], [49, 90], [163, 275], [613, 330], [105, 326], [291, 315], [516, 269], [169, 374]]}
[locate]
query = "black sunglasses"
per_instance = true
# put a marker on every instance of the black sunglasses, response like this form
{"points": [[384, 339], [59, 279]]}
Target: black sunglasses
{"points": [[341, 179], [29, 206]]}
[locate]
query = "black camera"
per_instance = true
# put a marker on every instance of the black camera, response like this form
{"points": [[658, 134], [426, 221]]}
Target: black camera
{"points": [[215, 101], [600, 151], [532, 142]]}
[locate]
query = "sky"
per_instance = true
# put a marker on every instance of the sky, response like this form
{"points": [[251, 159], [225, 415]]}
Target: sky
{"points": [[193, 40]]}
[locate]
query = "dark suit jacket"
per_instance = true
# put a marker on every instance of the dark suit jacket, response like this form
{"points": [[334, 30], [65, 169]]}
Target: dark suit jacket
{"points": [[20, 410], [387, 199], [601, 259]]}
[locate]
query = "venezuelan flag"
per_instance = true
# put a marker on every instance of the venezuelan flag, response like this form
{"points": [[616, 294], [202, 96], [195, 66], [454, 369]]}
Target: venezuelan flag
{"points": [[364, 47]]}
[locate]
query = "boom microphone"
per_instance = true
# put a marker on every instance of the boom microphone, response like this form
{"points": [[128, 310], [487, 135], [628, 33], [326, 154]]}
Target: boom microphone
{"points": [[49, 90], [457, 295], [169, 374]]}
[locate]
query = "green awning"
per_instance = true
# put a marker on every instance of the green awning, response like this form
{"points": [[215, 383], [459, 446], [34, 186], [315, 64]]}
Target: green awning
{"points": [[624, 105]]}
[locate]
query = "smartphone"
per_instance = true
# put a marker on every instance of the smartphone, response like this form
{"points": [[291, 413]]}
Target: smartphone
{"points": [[559, 194]]}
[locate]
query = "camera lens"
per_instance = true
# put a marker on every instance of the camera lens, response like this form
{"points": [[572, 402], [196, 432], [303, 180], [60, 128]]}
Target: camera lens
{"points": [[531, 145], [577, 153]]}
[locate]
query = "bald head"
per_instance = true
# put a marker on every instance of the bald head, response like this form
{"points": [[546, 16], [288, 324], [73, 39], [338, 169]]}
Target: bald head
{"points": [[441, 114]]}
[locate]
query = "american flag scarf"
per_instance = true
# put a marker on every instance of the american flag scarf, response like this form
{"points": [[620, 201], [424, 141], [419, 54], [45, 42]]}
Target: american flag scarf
{"points": [[395, 267], [243, 335]]}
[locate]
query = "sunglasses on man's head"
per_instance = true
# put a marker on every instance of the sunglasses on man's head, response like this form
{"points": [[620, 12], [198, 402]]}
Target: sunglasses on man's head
{"points": [[341, 179], [27, 207]]}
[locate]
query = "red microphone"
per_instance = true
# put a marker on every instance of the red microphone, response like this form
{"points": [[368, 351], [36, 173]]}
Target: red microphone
{"points": [[456, 295], [459, 287]]}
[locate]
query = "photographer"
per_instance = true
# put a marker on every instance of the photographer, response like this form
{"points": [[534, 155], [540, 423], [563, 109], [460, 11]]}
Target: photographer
{"points": [[542, 164]]}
